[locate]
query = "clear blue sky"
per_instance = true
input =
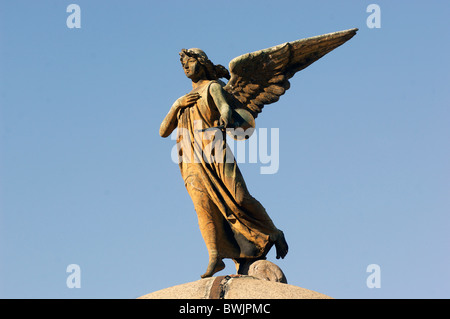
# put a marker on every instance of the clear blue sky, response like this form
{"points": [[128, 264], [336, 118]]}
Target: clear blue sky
{"points": [[86, 179]]}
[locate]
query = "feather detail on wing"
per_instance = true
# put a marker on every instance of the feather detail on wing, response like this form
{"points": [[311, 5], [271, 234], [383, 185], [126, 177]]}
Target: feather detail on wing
{"points": [[260, 78]]}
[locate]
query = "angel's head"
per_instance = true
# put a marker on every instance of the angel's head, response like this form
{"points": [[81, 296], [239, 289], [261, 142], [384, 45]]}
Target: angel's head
{"points": [[197, 66]]}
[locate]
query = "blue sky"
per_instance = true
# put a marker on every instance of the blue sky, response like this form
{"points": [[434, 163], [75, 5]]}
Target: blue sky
{"points": [[86, 179]]}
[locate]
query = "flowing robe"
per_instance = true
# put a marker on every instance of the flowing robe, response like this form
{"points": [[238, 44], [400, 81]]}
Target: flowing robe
{"points": [[232, 222]]}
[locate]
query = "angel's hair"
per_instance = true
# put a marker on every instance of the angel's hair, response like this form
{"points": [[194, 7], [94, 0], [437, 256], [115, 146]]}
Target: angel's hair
{"points": [[212, 71]]}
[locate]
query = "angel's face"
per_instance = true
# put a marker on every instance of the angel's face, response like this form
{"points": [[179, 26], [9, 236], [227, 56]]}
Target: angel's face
{"points": [[192, 68]]}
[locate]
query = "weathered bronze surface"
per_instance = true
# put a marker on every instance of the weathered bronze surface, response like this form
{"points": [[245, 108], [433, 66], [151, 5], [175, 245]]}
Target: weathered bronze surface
{"points": [[233, 223]]}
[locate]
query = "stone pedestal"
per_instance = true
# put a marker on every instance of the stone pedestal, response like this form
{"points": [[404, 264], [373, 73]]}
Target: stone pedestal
{"points": [[235, 287]]}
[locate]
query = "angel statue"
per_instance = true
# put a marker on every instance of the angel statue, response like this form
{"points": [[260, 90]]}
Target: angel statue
{"points": [[233, 224]]}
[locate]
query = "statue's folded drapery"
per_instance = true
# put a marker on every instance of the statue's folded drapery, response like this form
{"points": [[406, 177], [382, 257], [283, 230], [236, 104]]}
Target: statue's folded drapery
{"points": [[232, 222]]}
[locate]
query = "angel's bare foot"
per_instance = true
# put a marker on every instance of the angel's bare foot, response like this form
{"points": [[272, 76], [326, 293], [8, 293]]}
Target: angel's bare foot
{"points": [[215, 265], [281, 245]]}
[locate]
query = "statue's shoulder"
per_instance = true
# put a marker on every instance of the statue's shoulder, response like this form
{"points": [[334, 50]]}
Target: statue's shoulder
{"points": [[206, 87], [215, 85]]}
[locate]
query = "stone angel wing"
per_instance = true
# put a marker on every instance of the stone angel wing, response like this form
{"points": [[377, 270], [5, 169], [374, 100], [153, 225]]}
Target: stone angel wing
{"points": [[260, 78]]}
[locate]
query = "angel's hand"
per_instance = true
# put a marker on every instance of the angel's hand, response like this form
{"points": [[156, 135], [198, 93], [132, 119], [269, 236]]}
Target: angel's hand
{"points": [[187, 100], [226, 119]]}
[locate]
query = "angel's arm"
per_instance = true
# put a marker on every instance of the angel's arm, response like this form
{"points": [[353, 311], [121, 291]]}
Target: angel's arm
{"points": [[217, 94], [170, 122]]}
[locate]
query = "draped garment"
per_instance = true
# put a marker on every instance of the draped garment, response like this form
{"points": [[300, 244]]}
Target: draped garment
{"points": [[230, 219]]}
